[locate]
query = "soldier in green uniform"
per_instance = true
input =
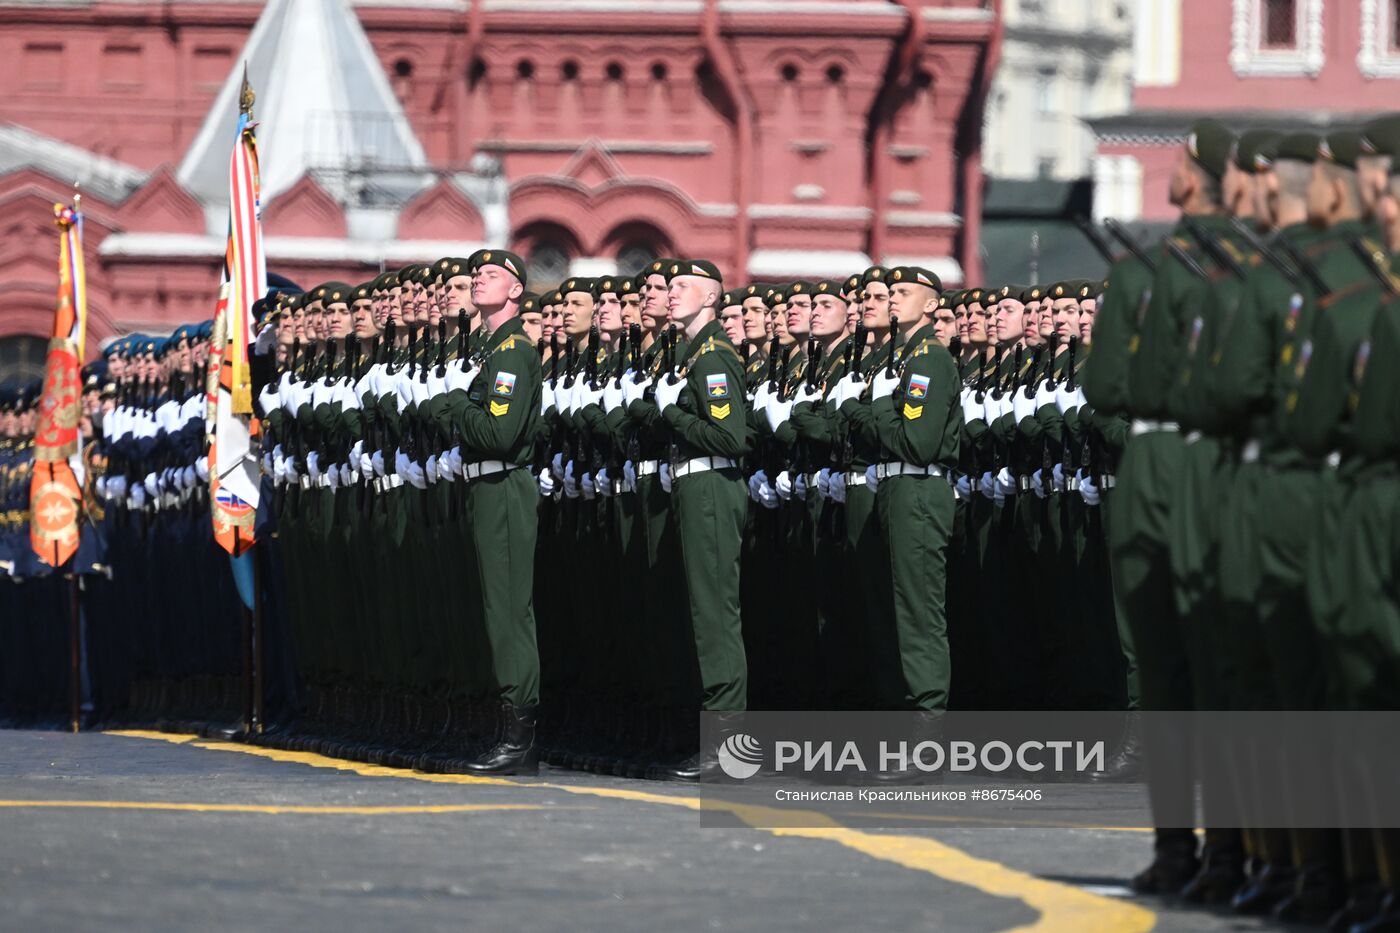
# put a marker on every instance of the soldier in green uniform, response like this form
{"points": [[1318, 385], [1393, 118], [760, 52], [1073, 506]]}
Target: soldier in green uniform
{"points": [[495, 418], [709, 437]]}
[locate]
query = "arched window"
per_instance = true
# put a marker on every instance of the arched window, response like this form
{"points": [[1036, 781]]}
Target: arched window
{"points": [[22, 358], [547, 265], [633, 257]]}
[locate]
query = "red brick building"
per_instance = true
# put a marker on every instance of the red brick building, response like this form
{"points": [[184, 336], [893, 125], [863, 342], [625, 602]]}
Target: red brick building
{"points": [[781, 138]]}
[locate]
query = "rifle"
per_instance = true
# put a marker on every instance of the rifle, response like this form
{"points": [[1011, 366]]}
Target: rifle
{"points": [[1212, 245], [955, 348], [1123, 236], [861, 336], [1305, 268], [412, 350], [1372, 263], [979, 387], [814, 361], [1096, 239], [294, 361], [781, 390], [1263, 249], [634, 334], [590, 362], [672, 338], [1183, 257], [848, 356], [442, 348], [572, 364], [891, 365], [554, 358], [1069, 370], [773, 361]]}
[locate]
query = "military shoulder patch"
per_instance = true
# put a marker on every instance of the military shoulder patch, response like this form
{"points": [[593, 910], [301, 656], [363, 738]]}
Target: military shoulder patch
{"points": [[499, 408], [505, 385], [719, 412], [918, 387], [717, 386], [913, 412]]}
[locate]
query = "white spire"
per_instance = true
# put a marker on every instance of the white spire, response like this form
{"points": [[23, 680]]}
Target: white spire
{"points": [[323, 105]]}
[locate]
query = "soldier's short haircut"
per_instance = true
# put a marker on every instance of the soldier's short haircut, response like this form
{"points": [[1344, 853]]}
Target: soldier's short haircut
{"points": [[1293, 177]]}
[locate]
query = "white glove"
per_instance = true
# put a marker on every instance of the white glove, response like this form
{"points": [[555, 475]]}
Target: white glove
{"points": [[1038, 484], [777, 412], [763, 490], [589, 490], [366, 462], [1087, 490], [101, 486], [268, 464], [799, 488], [851, 386], [1045, 395], [152, 484], [288, 472], [546, 398], [586, 396], [1057, 476], [784, 485], [201, 469], [884, 384], [1021, 406], [413, 473], [460, 379], [668, 391], [570, 483], [964, 486], [356, 452], [347, 474], [556, 466], [1068, 399], [612, 394], [753, 485], [546, 482], [629, 476], [761, 395], [454, 461], [986, 485], [313, 465], [809, 393], [824, 483], [972, 409], [632, 391], [1005, 484], [871, 479], [430, 468], [333, 476], [376, 462], [138, 497], [116, 486], [603, 483], [838, 487], [665, 474]]}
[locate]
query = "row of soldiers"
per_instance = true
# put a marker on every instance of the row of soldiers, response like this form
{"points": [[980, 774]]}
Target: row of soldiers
{"points": [[1252, 530]]}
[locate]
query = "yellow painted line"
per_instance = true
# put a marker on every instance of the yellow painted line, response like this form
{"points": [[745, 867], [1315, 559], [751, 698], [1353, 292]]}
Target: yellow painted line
{"points": [[271, 808], [160, 736], [1062, 908]]}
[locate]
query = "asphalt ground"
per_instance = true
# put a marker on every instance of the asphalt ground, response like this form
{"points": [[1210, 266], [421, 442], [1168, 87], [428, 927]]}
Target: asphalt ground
{"points": [[102, 831]]}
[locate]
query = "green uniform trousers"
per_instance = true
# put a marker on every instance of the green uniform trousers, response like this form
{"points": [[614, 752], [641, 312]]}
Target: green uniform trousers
{"points": [[503, 511]]}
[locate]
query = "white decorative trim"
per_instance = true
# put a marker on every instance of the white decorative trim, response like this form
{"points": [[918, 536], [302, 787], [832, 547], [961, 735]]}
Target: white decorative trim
{"points": [[1376, 58], [592, 6], [1250, 60], [862, 8], [906, 197], [318, 249], [807, 212], [593, 266], [923, 219], [816, 263], [808, 193], [959, 14], [609, 146], [948, 269]]}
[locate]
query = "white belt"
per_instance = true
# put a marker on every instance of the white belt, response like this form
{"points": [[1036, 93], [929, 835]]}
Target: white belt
{"points": [[304, 481], [1143, 426], [855, 478], [321, 482], [886, 470], [487, 468], [1334, 459], [647, 467], [1250, 452], [1193, 437], [386, 483], [701, 465]]}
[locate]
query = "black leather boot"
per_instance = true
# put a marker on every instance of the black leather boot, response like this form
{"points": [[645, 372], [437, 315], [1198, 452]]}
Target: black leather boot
{"points": [[1125, 765], [1362, 906], [1174, 863], [1318, 892], [1221, 876], [1270, 885], [515, 753]]}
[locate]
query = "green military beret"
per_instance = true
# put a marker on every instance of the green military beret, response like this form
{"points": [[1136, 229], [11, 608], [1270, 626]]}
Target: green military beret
{"points": [[454, 266], [556, 297], [626, 287], [799, 288], [318, 293], [1382, 136], [337, 292], [580, 284], [1300, 147], [1209, 144], [529, 302], [1341, 148], [1019, 293], [659, 267], [916, 274], [734, 296], [699, 267], [851, 287], [757, 290], [1248, 146], [874, 274], [606, 284], [501, 258], [974, 296], [776, 295], [363, 292], [829, 287], [294, 302]]}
